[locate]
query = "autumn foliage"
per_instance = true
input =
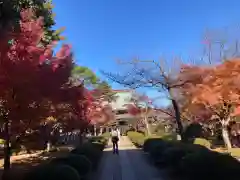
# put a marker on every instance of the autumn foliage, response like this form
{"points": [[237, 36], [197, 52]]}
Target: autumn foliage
{"points": [[132, 109], [29, 73], [36, 93], [98, 112], [214, 91]]}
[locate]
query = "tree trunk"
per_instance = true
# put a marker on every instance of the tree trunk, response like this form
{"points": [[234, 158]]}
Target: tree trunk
{"points": [[177, 114], [49, 139], [95, 130], [178, 118], [147, 126], [101, 130], [82, 136], [225, 134], [226, 138], [7, 149], [49, 146]]}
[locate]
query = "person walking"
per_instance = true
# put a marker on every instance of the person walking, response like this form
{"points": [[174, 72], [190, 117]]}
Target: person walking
{"points": [[119, 134], [115, 139]]}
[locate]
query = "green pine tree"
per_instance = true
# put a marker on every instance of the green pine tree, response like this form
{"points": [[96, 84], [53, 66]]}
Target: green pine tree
{"points": [[10, 16]]}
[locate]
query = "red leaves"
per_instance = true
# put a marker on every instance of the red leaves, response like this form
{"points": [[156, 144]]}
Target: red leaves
{"points": [[97, 110], [132, 109], [34, 83], [26, 71]]}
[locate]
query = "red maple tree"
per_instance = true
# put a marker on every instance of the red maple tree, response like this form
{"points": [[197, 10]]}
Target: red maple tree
{"points": [[98, 112], [29, 74]]}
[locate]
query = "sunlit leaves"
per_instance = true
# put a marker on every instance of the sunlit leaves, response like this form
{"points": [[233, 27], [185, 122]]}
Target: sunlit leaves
{"points": [[10, 15], [216, 88], [25, 78]]}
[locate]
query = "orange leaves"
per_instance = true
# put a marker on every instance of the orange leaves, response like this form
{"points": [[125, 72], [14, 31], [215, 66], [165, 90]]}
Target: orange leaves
{"points": [[213, 86], [62, 38], [236, 111]]}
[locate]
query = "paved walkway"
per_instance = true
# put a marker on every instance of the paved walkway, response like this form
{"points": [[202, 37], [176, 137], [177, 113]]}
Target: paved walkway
{"points": [[130, 164]]}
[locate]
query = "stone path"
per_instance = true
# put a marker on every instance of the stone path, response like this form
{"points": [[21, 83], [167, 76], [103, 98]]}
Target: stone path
{"points": [[130, 164]]}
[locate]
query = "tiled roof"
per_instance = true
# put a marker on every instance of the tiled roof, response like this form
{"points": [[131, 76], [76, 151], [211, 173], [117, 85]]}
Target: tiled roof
{"points": [[121, 90]]}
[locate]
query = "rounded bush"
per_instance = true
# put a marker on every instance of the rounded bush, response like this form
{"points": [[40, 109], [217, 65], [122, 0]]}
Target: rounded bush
{"points": [[90, 151], [98, 145], [136, 137], [50, 172], [156, 151], [78, 162], [172, 156], [205, 164], [151, 143], [202, 142], [64, 172], [193, 130]]}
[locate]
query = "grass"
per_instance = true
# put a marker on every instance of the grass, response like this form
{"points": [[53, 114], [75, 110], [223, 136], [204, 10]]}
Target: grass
{"points": [[235, 152], [138, 140]]}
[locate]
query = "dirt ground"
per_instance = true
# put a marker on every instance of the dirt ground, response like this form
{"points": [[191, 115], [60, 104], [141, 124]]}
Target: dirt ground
{"points": [[19, 166]]}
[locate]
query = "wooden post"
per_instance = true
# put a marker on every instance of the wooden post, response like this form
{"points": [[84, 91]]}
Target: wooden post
{"points": [[95, 130]]}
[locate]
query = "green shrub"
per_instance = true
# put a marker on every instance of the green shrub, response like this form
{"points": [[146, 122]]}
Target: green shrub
{"points": [[63, 172], [136, 137], [172, 156], [234, 152], [106, 135], [91, 151], [202, 142], [169, 137], [98, 142], [100, 139], [167, 153], [50, 172], [207, 164], [2, 141], [151, 143], [96, 139], [78, 162], [192, 161], [98, 145], [193, 130], [157, 149]]}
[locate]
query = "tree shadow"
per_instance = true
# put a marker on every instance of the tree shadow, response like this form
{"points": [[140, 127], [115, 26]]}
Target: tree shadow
{"points": [[130, 163], [20, 167]]}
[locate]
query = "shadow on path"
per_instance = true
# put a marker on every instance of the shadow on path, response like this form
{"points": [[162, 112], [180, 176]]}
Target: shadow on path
{"points": [[129, 164]]}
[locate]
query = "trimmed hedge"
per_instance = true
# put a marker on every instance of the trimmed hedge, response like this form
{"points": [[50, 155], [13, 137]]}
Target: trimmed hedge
{"points": [[137, 138], [200, 165], [188, 160], [92, 151], [191, 161], [77, 164], [50, 172], [202, 142]]}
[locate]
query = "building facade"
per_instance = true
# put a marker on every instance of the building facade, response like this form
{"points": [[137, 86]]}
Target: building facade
{"points": [[119, 107]]}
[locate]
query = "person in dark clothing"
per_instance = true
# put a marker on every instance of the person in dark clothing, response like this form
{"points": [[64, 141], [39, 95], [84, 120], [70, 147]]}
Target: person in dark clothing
{"points": [[115, 140]]}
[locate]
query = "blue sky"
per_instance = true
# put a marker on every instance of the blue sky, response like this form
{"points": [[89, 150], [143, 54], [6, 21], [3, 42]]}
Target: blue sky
{"points": [[102, 31]]}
